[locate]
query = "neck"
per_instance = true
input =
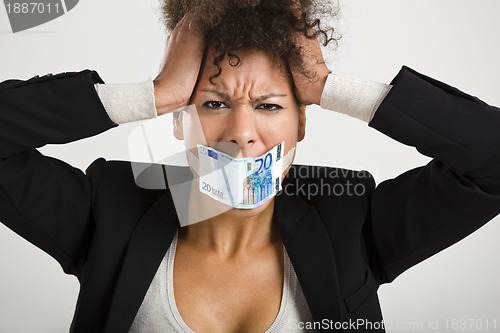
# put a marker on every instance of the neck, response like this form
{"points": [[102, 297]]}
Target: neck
{"points": [[229, 235]]}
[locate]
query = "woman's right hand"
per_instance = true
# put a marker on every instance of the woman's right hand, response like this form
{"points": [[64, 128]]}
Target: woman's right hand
{"points": [[180, 67]]}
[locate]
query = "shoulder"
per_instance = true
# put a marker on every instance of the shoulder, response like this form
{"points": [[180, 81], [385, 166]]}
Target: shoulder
{"points": [[125, 185]]}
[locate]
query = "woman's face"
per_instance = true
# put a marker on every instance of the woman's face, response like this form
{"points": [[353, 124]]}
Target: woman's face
{"points": [[252, 106]]}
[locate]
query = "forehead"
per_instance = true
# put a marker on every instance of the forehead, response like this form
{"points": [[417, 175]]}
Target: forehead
{"points": [[253, 68]]}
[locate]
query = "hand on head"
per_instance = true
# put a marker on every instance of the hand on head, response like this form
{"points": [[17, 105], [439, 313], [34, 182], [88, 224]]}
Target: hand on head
{"points": [[180, 67], [309, 83]]}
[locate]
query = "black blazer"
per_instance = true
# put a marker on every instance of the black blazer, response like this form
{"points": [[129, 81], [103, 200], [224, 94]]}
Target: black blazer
{"points": [[112, 234]]}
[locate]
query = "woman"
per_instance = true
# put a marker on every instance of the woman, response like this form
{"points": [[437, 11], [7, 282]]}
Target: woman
{"points": [[231, 271]]}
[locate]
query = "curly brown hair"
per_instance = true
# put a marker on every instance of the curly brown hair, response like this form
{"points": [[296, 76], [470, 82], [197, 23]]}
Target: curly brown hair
{"points": [[268, 25]]}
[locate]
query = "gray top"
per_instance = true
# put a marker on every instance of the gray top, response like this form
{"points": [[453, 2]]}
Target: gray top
{"points": [[159, 313]]}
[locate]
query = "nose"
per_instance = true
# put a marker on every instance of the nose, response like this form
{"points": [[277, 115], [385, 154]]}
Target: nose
{"points": [[241, 128]]}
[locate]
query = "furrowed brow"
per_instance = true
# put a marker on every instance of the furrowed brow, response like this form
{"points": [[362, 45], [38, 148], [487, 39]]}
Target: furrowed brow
{"points": [[259, 99], [217, 92]]}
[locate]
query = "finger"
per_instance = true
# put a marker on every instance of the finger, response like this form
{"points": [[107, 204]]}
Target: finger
{"points": [[311, 53], [310, 77], [181, 22], [164, 58], [311, 48]]}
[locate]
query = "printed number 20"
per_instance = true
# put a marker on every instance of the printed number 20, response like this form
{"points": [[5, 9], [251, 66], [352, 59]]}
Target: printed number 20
{"points": [[266, 163]]}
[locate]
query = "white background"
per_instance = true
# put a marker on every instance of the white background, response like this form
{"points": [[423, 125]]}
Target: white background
{"points": [[454, 41]]}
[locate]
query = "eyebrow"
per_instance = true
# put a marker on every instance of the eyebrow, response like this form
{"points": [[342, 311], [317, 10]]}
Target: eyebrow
{"points": [[226, 96]]}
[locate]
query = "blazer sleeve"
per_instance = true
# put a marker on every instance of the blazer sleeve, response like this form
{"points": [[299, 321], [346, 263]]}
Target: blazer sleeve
{"points": [[45, 200], [427, 209]]}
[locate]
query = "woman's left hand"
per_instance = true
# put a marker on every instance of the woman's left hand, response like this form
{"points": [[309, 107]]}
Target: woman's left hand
{"points": [[308, 89]]}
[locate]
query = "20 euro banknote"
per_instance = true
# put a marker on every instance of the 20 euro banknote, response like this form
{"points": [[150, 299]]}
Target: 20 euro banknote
{"points": [[240, 182]]}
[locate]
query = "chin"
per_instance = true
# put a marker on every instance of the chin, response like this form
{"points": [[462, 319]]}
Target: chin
{"points": [[243, 213]]}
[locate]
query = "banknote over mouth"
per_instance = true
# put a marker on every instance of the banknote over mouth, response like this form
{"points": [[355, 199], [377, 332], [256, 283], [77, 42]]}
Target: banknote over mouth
{"points": [[243, 183]]}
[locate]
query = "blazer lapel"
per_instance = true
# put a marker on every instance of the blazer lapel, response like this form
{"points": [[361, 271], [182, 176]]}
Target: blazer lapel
{"points": [[148, 245], [308, 246]]}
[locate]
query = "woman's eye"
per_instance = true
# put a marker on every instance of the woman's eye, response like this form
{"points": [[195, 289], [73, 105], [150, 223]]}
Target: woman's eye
{"points": [[215, 105], [269, 107]]}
